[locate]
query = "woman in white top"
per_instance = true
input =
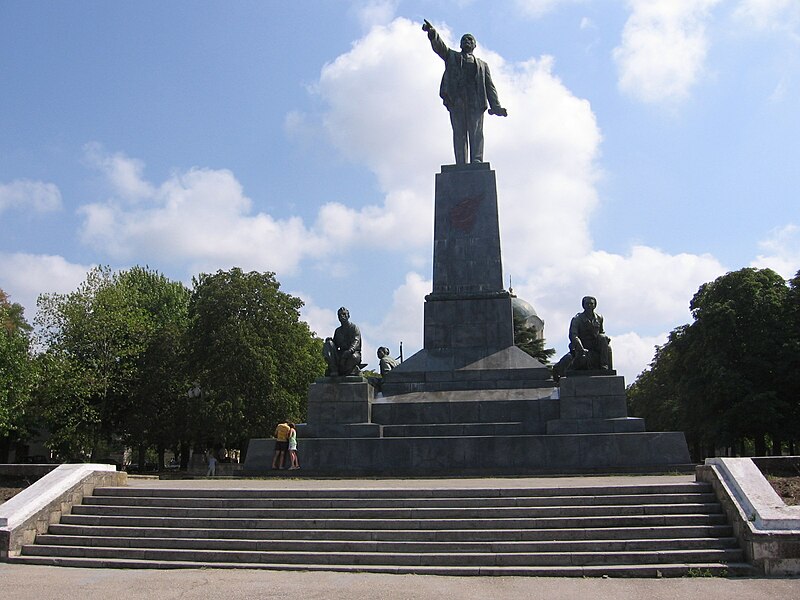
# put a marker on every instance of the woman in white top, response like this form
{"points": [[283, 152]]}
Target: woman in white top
{"points": [[294, 464]]}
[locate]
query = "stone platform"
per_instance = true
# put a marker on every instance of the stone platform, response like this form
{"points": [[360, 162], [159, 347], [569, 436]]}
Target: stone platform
{"points": [[471, 402], [581, 427]]}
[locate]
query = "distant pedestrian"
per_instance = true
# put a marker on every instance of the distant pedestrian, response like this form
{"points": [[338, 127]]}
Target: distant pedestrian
{"points": [[294, 463], [281, 445], [212, 465]]}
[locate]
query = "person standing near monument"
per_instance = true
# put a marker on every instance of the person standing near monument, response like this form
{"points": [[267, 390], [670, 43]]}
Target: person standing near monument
{"points": [[212, 465], [281, 444], [293, 462], [467, 91]]}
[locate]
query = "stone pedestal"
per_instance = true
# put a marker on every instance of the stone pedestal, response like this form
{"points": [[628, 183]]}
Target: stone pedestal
{"points": [[340, 407], [593, 404], [468, 325], [471, 402]]}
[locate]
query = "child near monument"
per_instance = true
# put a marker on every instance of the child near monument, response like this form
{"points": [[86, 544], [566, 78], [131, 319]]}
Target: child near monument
{"points": [[293, 462]]}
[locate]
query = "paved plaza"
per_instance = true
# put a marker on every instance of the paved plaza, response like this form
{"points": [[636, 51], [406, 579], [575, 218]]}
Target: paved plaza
{"points": [[24, 582]]}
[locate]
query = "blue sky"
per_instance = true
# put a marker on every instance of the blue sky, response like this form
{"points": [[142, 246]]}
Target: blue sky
{"points": [[651, 145]]}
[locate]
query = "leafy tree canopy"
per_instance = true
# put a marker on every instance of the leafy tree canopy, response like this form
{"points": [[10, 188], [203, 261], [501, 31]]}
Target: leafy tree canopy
{"points": [[729, 376]]}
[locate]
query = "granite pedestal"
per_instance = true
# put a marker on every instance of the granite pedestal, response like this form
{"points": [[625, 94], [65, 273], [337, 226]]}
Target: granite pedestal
{"points": [[470, 402]]}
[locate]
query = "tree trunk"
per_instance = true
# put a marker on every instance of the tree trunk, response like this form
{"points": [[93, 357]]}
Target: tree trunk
{"points": [[776, 446], [184, 456], [142, 457], [760, 446], [161, 452], [5, 448]]}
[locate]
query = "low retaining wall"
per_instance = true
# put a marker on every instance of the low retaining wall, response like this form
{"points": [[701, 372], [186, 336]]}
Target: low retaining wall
{"points": [[767, 529], [26, 471], [32, 510]]}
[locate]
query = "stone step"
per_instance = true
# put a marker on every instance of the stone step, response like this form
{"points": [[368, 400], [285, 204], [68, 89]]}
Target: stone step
{"points": [[378, 524], [393, 492], [399, 502], [526, 559], [453, 429], [486, 407], [410, 535], [342, 546], [398, 513], [640, 530], [716, 569]]}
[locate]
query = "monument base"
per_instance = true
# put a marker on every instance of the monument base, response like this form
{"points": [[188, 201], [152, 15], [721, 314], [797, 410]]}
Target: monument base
{"points": [[581, 428], [459, 369]]}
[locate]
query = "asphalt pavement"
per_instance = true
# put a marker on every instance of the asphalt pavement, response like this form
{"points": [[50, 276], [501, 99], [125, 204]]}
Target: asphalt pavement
{"points": [[30, 582]]}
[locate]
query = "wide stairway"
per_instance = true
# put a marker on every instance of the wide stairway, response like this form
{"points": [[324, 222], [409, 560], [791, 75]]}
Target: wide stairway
{"points": [[648, 530]]}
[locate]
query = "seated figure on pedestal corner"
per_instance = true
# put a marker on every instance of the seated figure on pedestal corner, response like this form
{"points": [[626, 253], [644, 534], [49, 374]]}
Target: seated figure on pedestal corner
{"points": [[386, 363], [589, 346], [343, 351]]}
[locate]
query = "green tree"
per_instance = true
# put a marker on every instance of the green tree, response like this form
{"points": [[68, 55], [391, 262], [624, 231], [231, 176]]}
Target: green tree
{"points": [[789, 363], [152, 416], [722, 379], [534, 346], [16, 373], [250, 354], [741, 333], [105, 379]]}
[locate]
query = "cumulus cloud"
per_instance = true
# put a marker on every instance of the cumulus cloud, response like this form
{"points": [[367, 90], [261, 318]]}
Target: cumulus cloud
{"points": [[642, 295], [25, 195], [781, 251], [769, 15], [24, 276], [546, 148], [546, 156], [371, 13], [380, 108], [663, 48], [124, 174], [634, 353], [200, 216], [539, 8], [402, 321]]}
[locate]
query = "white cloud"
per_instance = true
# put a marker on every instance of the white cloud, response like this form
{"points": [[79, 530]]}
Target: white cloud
{"points": [[372, 13], [381, 109], [200, 216], [24, 194], [782, 251], [769, 15], [402, 321], [124, 174], [539, 8], [633, 353], [663, 49], [544, 151], [643, 293], [24, 276]]}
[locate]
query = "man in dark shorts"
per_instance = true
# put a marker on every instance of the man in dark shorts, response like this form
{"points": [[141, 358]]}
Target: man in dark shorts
{"points": [[281, 444]]}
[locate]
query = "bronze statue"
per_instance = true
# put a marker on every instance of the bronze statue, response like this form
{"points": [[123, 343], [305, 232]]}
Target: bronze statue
{"points": [[589, 346], [385, 361], [467, 91], [385, 364], [343, 350], [588, 341]]}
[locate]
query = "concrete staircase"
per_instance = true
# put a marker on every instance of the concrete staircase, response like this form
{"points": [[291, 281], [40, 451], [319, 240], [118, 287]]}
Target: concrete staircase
{"points": [[632, 530]]}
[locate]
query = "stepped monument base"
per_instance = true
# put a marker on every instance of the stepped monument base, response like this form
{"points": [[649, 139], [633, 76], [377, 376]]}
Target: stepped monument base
{"points": [[471, 402]]}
